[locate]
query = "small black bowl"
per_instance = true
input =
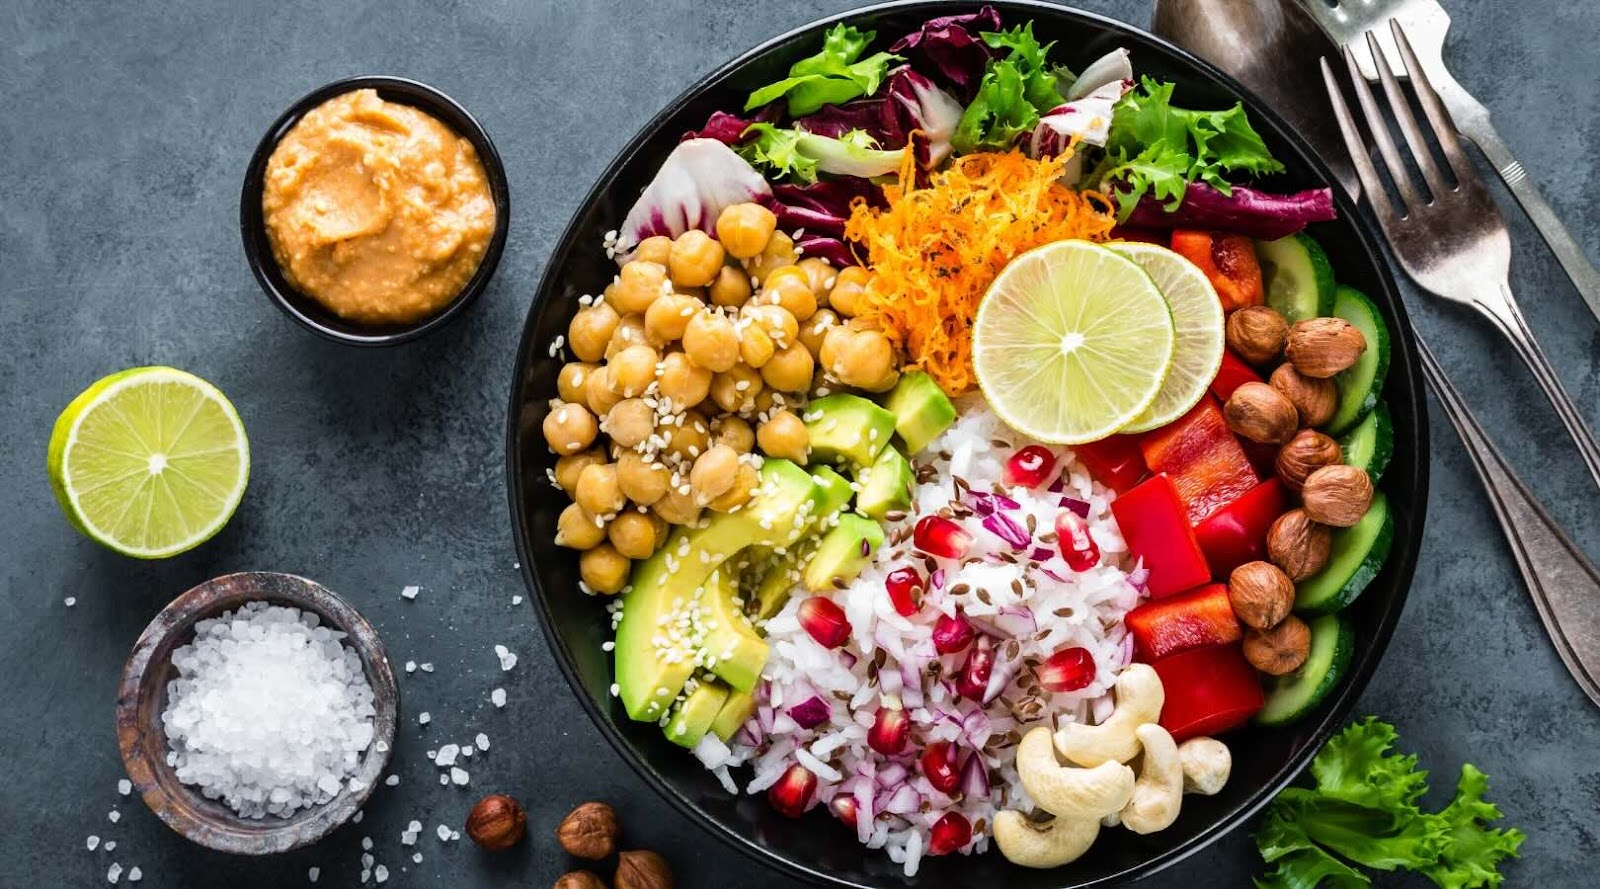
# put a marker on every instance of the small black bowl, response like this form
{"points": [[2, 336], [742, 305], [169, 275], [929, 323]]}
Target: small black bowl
{"points": [[307, 312]]}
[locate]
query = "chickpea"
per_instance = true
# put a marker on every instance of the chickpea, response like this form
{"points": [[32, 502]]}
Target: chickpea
{"points": [[591, 329], [744, 487], [821, 274], [655, 248], [744, 229], [569, 429], [677, 508], [777, 321], [629, 332], [577, 529], [695, 260], [633, 535], [755, 347], [600, 391], [711, 341], [568, 468], [638, 285], [733, 432], [778, 253], [713, 473], [634, 369], [789, 287], [784, 436], [666, 318], [598, 492], [630, 422], [790, 370], [849, 294], [688, 439], [765, 403], [883, 383], [603, 569], [641, 480], [735, 389], [660, 527], [815, 328], [732, 287], [569, 383], [682, 382], [861, 358]]}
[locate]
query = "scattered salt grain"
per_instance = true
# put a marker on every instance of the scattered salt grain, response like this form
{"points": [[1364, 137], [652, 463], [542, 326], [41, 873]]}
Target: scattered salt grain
{"points": [[498, 697], [392, 781], [114, 816], [482, 741], [114, 872], [507, 659], [516, 600], [416, 858], [424, 718], [447, 755], [124, 787], [410, 592], [466, 750], [358, 816], [135, 874], [411, 666], [427, 666], [366, 843], [444, 833], [459, 776], [92, 842], [444, 779], [380, 873], [313, 874], [111, 845], [70, 601], [455, 835]]}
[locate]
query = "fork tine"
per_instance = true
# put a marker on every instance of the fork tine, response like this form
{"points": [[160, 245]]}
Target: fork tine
{"points": [[1444, 128], [1371, 185], [1401, 108], [1380, 134]]}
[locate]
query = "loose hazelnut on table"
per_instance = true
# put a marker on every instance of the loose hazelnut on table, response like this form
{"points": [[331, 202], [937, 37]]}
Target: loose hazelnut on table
{"points": [[1257, 334], [1279, 650], [589, 831], [1261, 594], [1306, 453], [1337, 495], [1299, 545], [1261, 413], [1321, 347], [1314, 398], [496, 823], [643, 870], [580, 879]]}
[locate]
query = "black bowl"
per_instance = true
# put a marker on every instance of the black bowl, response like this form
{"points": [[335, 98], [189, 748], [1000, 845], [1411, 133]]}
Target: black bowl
{"points": [[817, 848], [309, 313]]}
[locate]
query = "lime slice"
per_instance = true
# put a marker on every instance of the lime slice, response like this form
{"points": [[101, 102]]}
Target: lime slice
{"points": [[149, 462], [1197, 316], [1071, 342]]}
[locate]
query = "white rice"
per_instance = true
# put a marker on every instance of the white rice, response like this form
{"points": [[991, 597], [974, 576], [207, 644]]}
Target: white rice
{"points": [[998, 586]]}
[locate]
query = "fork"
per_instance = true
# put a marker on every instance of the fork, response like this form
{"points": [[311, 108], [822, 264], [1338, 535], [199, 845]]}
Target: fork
{"points": [[1348, 21], [1453, 240]]}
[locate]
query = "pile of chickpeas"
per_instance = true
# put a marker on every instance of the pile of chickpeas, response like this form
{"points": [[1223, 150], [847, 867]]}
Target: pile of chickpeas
{"points": [[690, 368]]}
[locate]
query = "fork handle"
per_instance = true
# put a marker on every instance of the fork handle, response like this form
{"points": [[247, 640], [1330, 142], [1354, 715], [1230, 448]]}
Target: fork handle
{"points": [[1585, 277], [1505, 315]]}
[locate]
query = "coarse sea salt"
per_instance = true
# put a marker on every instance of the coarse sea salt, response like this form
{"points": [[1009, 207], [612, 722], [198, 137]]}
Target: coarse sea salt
{"points": [[498, 697], [270, 711]]}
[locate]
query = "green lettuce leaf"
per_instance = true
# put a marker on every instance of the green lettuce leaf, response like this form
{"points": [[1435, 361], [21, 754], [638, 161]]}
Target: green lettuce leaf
{"points": [[1159, 171], [833, 76], [1015, 90], [1473, 850], [1358, 766], [799, 156], [1309, 869]]}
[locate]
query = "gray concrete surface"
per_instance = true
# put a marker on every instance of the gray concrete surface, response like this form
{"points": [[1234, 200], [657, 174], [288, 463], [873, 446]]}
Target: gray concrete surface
{"points": [[125, 132]]}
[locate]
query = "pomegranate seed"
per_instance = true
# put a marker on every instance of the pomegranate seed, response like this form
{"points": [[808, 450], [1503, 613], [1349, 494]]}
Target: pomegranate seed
{"points": [[1030, 467], [825, 621], [1067, 670], [974, 676], [949, 834], [889, 731], [1077, 547], [792, 794], [938, 536], [905, 586], [844, 808], [952, 633], [939, 766]]}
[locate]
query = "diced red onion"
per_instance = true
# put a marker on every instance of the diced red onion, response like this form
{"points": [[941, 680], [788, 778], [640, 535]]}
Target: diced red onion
{"points": [[892, 775], [936, 580], [1015, 621], [1057, 486], [811, 712], [1139, 577], [1054, 575], [999, 677], [1008, 529], [975, 777], [848, 658], [911, 685], [987, 504], [903, 801], [889, 682], [1076, 505], [764, 717], [1125, 651], [1041, 553]]}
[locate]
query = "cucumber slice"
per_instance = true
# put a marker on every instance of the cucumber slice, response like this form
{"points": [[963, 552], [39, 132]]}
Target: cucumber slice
{"points": [[1297, 277], [1289, 697], [1371, 443], [1357, 557], [1360, 384]]}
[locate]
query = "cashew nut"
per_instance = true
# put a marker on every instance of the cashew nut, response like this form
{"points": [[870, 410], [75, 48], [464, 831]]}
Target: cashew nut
{"points": [[1139, 700], [1206, 765], [1068, 791], [1043, 844], [1158, 794]]}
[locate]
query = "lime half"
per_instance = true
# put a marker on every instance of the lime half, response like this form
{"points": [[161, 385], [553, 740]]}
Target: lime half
{"points": [[1071, 342], [149, 462], [1197, 316]]}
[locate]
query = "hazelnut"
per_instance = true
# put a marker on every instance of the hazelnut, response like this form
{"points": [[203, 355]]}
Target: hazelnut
{"points": [[1261, 413], [1337, 495], [1261, 594], [1306, 453], [1298, 545], [1257, 334], [643, 869], [1321, 347], [1314, 398], [589, 831], [1279, 650], [580, 879], [496, 823]]}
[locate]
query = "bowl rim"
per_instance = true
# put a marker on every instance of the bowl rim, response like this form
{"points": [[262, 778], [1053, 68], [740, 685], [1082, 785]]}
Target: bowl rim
{"points": [[258, 250], [1403, 364], [143, 744]]}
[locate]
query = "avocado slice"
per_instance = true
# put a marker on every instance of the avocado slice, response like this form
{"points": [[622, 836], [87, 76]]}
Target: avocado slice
{"points": [[886, 485], [737, 711], [834, 490], [921, 410], [843, 552], [692, 719], [730, 648], [848, 429], [778, 573], [780, 579], [665, 588]]}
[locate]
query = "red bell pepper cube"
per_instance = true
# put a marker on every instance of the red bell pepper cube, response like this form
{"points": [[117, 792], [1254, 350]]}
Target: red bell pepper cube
{"points": [[1231, 375], [1237, 533], [1205, 462], [1201, 617], [1157, 531], [1229, 261], [1115, 461], [1208, 691]]}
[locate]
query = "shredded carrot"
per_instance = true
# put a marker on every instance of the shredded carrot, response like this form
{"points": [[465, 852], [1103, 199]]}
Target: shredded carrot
{"points": [[934, 250]]}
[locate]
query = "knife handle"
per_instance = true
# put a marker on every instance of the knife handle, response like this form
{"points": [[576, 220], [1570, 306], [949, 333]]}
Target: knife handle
{"points": [[1565, 585]]}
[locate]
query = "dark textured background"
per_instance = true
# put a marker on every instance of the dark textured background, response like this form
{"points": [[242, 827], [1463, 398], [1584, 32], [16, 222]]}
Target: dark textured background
{"points": [[126, 130]]}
